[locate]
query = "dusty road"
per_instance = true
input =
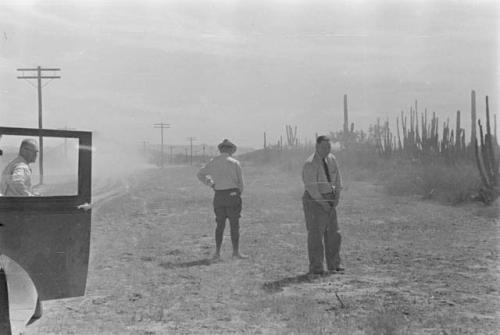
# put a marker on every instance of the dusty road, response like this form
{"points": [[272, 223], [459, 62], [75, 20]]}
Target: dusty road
{"points": [[412, 266]]}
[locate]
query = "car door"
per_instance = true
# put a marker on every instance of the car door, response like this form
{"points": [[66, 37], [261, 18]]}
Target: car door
{"points": [[49, 235]]}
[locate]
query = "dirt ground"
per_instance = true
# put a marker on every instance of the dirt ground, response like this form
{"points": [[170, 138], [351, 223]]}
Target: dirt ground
{"points": [[412, 266]]}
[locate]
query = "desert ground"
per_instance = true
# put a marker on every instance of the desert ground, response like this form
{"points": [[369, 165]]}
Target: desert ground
{"points": [[413, 266]]}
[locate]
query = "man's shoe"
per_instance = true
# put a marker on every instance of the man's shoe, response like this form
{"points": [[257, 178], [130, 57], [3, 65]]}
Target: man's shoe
{"points": [[338, 269], [239, 256]]}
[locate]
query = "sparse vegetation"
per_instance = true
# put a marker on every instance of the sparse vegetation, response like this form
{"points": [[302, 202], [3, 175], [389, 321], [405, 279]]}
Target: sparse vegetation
{"points": [[417, 160]]}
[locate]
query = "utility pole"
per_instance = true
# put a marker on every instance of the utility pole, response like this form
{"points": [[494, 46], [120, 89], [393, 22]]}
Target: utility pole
{"points": [[162, 126], [39, 76], [191, 139]]}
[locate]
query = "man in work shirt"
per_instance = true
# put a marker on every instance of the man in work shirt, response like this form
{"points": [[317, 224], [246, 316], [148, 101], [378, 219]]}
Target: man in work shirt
{"points": [[223, 175], [323, 184], [16, 177]]}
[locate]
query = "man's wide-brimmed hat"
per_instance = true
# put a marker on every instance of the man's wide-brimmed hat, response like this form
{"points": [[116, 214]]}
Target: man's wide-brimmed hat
{"points": [[226, 144]]}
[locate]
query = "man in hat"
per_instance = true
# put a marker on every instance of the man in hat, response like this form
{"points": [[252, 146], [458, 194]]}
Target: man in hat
{"points": [[323, 184], [16, 177], [223, 174]]}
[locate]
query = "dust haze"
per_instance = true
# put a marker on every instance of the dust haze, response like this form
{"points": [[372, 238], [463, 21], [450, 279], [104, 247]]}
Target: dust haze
{"points": [[217, 69]]}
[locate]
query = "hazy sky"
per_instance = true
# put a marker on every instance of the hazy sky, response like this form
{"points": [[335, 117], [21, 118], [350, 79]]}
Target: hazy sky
{"points": [[216, 69]]}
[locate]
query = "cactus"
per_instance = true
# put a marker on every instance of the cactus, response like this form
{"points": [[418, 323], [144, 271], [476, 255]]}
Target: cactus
{"points": [[291, 136], [400, 146], [473, 117], [346, 116], [486, 162]]}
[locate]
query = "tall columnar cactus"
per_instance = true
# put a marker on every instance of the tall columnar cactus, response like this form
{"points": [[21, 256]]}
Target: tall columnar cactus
{"points": [[435, 135], [385, 141], [348, 136], [473, 117], [291, 136], [388, 142], [346, 116], [487, 162], [445, 142], [378, 138], [495, 128], [400, 146], [425, 132], [418, 139], [405, 131]]}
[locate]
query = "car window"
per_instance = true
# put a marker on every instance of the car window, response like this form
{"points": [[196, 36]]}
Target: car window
{"points": [[58, 175]]}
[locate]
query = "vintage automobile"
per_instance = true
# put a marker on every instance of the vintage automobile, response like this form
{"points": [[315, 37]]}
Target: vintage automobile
{"points": [[46, 238]]}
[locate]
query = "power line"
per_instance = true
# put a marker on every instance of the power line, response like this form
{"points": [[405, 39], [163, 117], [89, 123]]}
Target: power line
{"points": [[162, 126], [39, 76]]}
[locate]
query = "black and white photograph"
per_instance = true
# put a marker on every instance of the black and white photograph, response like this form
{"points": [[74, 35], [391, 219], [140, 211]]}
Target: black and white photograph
{"points": [[249, 167]]}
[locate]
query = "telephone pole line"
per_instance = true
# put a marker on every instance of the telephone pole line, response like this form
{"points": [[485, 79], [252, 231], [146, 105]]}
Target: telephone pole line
{"points": [[39, 76], [162, 126], [191, 139]]}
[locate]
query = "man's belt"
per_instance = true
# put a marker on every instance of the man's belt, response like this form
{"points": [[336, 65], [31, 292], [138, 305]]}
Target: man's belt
{"points": [[228, 191]]}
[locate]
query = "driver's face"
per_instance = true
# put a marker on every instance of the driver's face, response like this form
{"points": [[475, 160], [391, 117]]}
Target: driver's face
{"points": [[31, 153]]}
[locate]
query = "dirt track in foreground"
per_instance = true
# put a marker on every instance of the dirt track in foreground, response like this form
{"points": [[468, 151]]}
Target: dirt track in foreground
{"points": [[412, 266]]}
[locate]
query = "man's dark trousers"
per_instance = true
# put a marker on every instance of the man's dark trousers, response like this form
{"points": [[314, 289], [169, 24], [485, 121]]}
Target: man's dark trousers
{"points": [[227, 205], [323, 235]]}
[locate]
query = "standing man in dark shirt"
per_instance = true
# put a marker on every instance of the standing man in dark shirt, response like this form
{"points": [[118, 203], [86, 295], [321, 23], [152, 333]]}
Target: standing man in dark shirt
{"points": [[323, 183]]}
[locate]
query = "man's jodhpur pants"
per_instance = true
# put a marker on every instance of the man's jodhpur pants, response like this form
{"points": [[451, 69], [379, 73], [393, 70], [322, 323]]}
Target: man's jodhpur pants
{"points": [[227, 205], [323, 235]]}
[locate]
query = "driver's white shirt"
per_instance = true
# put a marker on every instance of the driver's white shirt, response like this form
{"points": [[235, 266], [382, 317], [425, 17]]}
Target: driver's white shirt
{"points": [[16, 179]]}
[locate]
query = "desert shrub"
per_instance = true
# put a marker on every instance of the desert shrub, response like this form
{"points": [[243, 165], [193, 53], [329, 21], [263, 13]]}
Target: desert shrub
{"points": [[455, 184], [359, 162], [401, 177], [432, 179]]}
